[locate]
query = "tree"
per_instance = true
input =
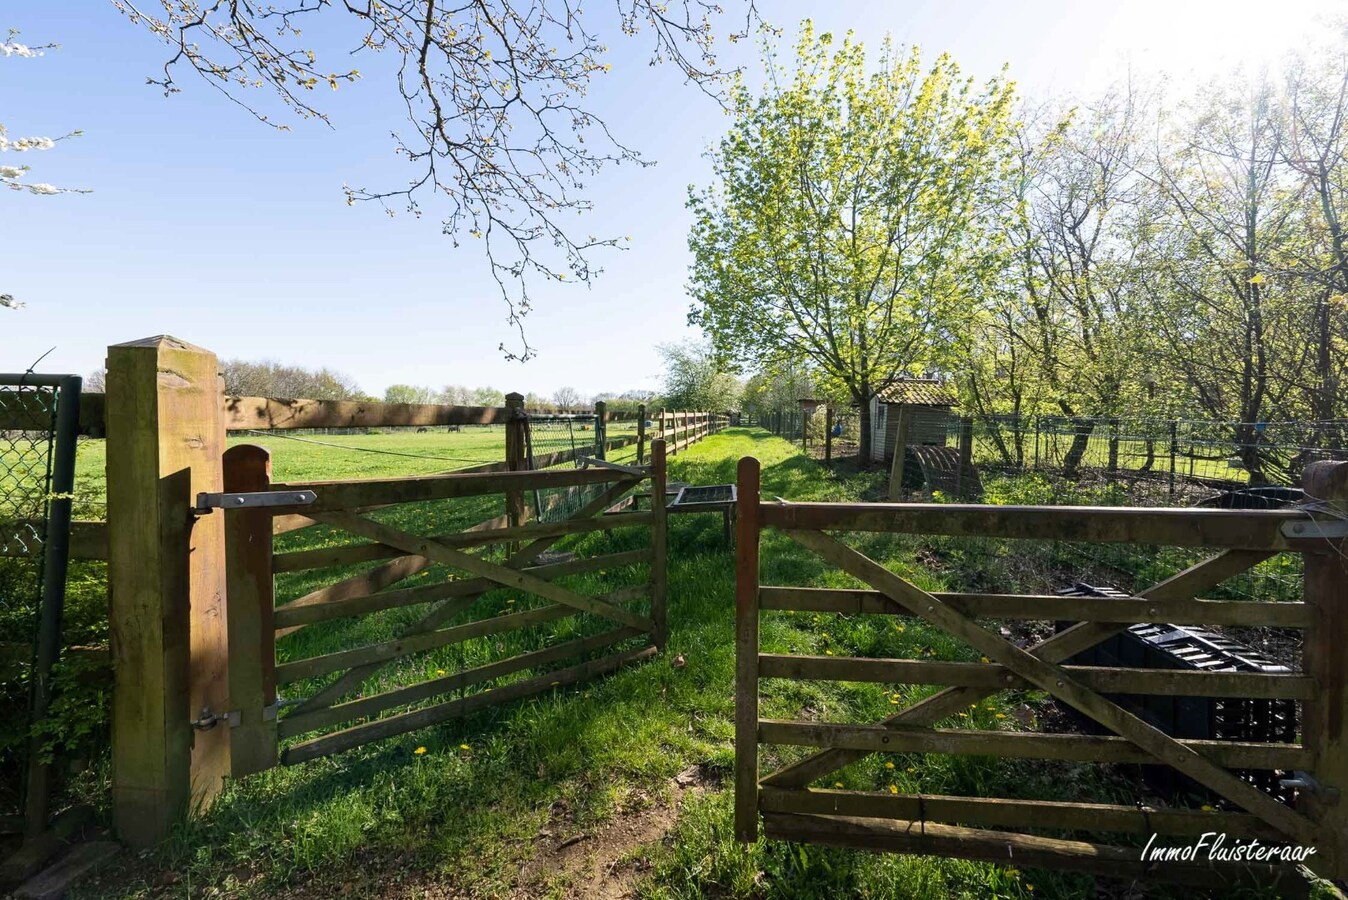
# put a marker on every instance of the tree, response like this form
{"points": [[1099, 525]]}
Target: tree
{"points": [[567, 398], [455, 395], [851, 226], [409, 393], [695, 379], [488, 396], [495, 97], [268, 378], [1231, 217]]}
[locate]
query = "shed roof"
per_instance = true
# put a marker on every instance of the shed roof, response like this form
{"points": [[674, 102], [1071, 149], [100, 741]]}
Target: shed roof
{"points": [[919, 392]]}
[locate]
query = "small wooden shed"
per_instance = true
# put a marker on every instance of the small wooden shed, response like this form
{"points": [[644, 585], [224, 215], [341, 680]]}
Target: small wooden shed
{"points": [[928, 402]]}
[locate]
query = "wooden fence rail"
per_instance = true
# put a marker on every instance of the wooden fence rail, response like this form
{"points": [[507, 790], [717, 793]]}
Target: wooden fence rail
{"points": [[194, 618], [1010, 829], [680, 429]]}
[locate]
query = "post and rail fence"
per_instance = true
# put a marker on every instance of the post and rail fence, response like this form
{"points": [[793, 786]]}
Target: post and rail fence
{"points": [[786, 804], [191, 542]]}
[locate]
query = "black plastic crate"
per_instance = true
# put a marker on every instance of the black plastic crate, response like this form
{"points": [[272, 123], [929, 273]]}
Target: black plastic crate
{"points": [[1163, 646]]}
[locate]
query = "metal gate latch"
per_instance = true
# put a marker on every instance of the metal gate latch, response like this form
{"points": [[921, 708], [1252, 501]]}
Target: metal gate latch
{"points": [[207, 501]]}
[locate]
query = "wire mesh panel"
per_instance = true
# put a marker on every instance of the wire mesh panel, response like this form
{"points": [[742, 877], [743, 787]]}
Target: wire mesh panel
{"points": [[38, 420], [557, 442]]}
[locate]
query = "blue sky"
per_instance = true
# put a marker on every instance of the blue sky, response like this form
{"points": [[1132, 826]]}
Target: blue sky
{"points": [[206, 225]]}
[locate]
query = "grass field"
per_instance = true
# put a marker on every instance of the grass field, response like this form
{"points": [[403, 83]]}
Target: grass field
{"points": [[622, 784]]}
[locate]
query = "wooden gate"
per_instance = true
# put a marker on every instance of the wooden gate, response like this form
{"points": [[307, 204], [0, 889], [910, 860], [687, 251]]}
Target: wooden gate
{"points": [[520, 584], [1003, 829]]}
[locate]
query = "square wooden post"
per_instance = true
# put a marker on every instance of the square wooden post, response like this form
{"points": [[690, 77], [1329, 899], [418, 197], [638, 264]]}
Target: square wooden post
{"points": [[747, 491], [659, 545], [251, 604], [516, 451], [828, 434], [1325, 725], [641, 434], [966, 456], [600, 429], [166, 575]]}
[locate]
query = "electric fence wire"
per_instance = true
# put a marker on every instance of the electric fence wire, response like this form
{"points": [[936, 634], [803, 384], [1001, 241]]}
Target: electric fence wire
{"points": [[303, 440]]}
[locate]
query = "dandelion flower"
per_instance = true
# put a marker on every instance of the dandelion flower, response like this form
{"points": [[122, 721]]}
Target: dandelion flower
{"points": [[420, 751], [464, 747], [837, 784], [893, 789], [889, 765]]}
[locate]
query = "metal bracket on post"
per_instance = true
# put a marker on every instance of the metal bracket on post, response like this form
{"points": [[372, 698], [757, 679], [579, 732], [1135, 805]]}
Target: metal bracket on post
{"points": [[209, 501], [1328, 530]]}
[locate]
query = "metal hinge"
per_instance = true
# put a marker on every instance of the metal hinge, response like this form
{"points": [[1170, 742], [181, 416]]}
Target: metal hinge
{"points": [[1330, 529], [207, 501]]}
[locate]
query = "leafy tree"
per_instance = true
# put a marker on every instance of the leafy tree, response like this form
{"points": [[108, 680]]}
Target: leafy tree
{"points": [[851, 225], [410, 393], [498, 128], [268, 378], [695, 379], [488, 396]]}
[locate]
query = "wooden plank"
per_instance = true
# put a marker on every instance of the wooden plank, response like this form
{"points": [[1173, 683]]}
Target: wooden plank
{"points": [[1325, 718], [30, 412], [748, 488], [1060, 684], [326, 557], [1046, 607], [503, 575], [376, 579], [55, 882], [268, 413], [378, 703], [444, 712], [166, 581], [999, 812], [900, 452], [250, 600], [1020, 744], [447, 610], [1023, 851], [659, 544], [1108, 679], [1208, 528], [326, 664], [353, 494], [1197, 578], [295, 615]]}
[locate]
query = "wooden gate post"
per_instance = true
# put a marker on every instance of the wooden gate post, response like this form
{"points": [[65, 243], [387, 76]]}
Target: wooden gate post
{"points": [[747, 491], [516, 454], [1325, 725], [251, 603], [641, 434], [900, 451], [659, 542], [166, 576], [966, 454], [600, 429], [828, 434]]}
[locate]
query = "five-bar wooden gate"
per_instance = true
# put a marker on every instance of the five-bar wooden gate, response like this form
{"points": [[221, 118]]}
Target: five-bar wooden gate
{"points": [[1004, 829], [623, 625]]}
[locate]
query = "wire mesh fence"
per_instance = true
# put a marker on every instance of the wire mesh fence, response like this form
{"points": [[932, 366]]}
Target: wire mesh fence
{"points": [[38, 421], [557, 442], [1176, 451]]}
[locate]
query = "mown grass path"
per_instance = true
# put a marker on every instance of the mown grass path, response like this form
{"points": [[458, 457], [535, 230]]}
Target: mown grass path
{"points": [[482, 808]]}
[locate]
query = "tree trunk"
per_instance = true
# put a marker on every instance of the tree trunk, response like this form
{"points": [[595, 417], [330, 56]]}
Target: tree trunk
{"points": [[864, 421], [1081, 436]]}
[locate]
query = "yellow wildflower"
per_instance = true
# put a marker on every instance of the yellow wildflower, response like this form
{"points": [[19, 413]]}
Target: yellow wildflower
{"points": [[420, 751]]}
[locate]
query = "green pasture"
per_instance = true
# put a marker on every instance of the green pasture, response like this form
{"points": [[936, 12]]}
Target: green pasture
{"points": [[468, 808]]}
